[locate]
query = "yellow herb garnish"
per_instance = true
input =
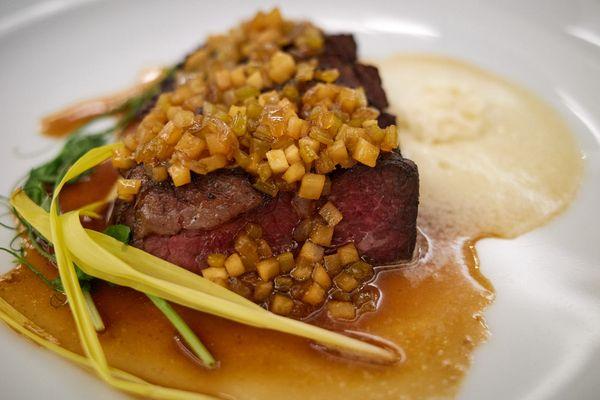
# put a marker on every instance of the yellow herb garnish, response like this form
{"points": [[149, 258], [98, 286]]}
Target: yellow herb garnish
{"points": [[106, 258]]}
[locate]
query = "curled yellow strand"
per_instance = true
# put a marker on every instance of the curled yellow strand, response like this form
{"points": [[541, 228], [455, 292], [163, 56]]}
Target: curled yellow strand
{"points": [[103, 257]]}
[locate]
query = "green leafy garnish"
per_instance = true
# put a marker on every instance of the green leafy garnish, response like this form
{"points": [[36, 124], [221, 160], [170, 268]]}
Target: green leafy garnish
{"points": [[42, 179], [120, 232]]}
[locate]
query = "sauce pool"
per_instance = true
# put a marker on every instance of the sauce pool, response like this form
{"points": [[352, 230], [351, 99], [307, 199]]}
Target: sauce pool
{"points": [[432, 308]]}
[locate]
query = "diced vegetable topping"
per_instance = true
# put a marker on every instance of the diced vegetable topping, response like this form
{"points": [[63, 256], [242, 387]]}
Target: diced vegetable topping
{"points": [[242, 100]]}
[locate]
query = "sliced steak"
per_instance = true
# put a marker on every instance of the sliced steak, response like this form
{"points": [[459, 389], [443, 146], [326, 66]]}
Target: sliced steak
{"points": [[206, 203], [379, 206], [277, 217]]}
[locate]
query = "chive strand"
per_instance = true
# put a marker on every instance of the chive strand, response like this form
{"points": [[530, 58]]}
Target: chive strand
{"points": [[21, 260], [186, 332], [94, 313]]}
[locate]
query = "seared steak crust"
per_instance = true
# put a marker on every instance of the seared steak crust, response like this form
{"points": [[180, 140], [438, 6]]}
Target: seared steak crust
{"points": [[379, 206], [206, 203]]}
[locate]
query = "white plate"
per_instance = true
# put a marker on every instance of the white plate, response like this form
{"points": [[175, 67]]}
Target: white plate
{"points": [[545, 322]]}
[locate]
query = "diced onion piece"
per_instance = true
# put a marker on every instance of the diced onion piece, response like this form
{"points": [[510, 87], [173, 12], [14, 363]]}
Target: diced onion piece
{"points": [[216, 145], [328, 75], [302, 270], [262, 290], [183, 118], [234, 265], [332, 264], [247, 249], [322, 234], [190, 145], [366, 153], [308, 149], [268, 269], [348, 254], [321, 276], [331, 214], [223, 79], [170, 134], [221, 282], [208, 164], [286, 261], [263, 248], [294, 173], [213, 273], [159, 173], [292, 154], [341, 310], [238, 78], [239, 120], [255, 79], [266, 187], [281, 67], [305, 72], [264, 171], [338, 152], [216, 260], [281, 304], [390, 141], [122, 158], [320, 136], [347, 99], [123, 162], [180, 175], [311, 186], [315, 145], [361, 270], [283, 283], [296, 127], [245, 92], [314, 295], [128, 187], [324, 164], [346, 282], [311, 252], [375, 132], [277, 161]]}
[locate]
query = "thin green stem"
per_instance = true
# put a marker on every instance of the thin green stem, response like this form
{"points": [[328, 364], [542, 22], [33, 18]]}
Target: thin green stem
{"points": [[38, 248], [6, 226], [186, 332], [94, 313], [21, 260]]}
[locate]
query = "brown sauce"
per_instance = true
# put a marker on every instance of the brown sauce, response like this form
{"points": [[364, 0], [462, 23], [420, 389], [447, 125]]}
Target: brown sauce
{"points": [[432, 309], [72, 117]]}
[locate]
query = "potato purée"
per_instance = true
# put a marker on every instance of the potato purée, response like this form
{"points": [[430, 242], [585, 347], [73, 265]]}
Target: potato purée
{"points": [[493, 158]]}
